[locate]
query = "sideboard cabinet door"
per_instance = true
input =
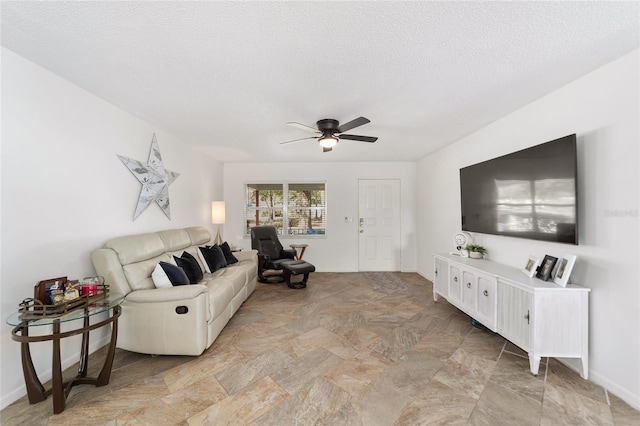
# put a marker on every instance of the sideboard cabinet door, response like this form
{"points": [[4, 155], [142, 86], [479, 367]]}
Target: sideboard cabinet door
{"points": [[455, 285], [469, 291], [487, 301], [514, 314], [441, 278]]}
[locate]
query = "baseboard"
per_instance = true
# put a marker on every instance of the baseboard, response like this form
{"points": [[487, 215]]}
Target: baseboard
{"points": [[575, 365], [614, 388], [12, 396], [424, 275]]}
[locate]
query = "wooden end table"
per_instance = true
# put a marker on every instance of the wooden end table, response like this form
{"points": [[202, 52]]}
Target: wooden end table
{"points": [[35, 391], [303, 247]]}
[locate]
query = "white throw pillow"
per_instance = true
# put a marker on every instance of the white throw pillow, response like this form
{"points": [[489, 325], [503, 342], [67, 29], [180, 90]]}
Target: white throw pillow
{"points": [[203, 261], [160, 278]]}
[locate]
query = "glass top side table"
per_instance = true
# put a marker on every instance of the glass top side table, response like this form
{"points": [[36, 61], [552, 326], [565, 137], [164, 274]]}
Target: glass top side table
{"points": [[20, 333]]}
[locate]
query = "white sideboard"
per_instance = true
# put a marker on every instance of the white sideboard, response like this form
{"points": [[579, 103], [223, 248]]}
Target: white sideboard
{"points": [[540, 317]]}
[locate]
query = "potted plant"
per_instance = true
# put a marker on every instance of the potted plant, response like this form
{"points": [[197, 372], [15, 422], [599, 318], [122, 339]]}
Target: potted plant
{"points": [[476, 251]]}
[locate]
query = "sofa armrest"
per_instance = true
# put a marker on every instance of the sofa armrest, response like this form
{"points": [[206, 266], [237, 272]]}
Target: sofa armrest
{"points": [[245, 254], [171, 294]]}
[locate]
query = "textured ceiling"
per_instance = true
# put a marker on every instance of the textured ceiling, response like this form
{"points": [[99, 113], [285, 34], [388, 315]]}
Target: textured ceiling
{"points": [[228, 75]]}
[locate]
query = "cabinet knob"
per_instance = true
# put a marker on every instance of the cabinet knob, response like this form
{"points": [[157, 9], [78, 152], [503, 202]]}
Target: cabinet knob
{"points": [[486, 293], [455, 279], [436, 272], [468, 285]]}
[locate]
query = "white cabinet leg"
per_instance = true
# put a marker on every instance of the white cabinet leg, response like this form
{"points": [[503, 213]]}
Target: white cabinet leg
{"points": [[435, 296], [585, 352], [585, 368], [534, 364]]}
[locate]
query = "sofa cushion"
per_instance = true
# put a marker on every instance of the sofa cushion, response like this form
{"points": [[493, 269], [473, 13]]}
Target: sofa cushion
{"points": [[234, 276], [136, 248], [249, 267], [190, 266], [175, 239], [166, 275], [220, 295], [198, 235]]}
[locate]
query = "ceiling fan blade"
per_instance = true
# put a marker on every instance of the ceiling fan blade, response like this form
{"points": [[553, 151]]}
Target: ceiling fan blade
{"points": [[327, 149], [353, 124], [298, 140], [358, 138], [303, 126]]}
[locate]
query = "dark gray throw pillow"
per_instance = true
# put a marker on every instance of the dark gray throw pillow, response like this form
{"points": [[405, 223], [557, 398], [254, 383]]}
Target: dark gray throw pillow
{"points": [[214, 257], [221, 261], [175, 274], [228, 255], [190, 266]]}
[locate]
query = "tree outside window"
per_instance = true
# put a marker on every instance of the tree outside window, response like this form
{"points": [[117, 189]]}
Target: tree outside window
{"points": [[292, 208]]}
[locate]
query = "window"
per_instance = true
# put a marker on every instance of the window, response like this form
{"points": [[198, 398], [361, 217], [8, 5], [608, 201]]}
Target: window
{"points": [[293, 208]]}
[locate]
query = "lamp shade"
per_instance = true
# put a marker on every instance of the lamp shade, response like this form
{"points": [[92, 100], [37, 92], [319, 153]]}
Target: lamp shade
{"points": [[217, 212]]}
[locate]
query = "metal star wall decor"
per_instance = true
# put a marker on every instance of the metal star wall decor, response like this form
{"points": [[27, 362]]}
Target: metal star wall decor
{"points": [[155, 180]]}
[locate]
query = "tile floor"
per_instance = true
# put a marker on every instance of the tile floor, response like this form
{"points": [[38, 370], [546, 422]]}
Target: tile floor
{"points": [[351, 349]]}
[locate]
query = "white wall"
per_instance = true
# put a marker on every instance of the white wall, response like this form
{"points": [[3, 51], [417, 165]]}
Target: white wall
{"points": [[602, 108], [338, 250], [64, 192]]}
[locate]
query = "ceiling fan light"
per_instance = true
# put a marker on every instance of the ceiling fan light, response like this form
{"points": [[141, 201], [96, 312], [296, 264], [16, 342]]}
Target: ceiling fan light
{"points": [[328, 141]]}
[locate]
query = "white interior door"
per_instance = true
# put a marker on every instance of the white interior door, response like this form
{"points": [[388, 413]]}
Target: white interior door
{"points": [[379, 225]]}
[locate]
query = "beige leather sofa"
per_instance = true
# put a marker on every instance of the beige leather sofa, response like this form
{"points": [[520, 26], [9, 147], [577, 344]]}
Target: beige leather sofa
{"points": [[181, 320]]}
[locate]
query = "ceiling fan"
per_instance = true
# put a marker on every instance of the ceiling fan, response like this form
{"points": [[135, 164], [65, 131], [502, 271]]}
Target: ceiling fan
{"points": [[329, 132]]}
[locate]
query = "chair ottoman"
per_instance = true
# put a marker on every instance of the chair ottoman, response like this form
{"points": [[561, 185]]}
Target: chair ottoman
{"points": [[297, 267]]}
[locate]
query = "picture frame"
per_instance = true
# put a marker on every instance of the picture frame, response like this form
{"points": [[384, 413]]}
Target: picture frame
{"points": [[41, 290], [531, 266], [545, 272], [565, 266]]}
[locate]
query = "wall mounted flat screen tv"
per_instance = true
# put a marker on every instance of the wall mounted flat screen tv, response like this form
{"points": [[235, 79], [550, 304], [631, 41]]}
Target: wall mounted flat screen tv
{"points": [[527, 194]]}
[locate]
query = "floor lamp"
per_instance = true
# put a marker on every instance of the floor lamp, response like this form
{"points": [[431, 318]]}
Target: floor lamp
{"points": [[217, 218]]}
